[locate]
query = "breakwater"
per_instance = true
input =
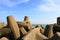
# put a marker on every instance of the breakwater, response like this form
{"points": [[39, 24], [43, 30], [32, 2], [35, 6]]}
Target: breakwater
{"points": [[24, 30]]}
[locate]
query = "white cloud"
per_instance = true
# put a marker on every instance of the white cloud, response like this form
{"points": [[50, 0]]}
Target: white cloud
{"points": [[12, 3], [43, 7], [49, 6]]}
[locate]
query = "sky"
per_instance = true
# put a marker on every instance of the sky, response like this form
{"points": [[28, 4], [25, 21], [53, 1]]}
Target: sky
{"points": [[38, 11]]}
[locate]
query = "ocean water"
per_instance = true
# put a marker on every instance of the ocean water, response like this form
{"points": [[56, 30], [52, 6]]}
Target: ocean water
{"points": [[44, 25]]}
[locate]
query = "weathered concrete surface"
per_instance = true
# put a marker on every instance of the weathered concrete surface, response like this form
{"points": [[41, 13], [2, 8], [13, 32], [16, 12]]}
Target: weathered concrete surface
{"points": [[56, 36], [4, 31], [34, 35], [29, 26], [26, 19], [41, 28], [58, 20], [56, 28], [40, 36], [49, 31], [14, 27], [23, 31], [2, 25], [4, 38], [21, 23]]}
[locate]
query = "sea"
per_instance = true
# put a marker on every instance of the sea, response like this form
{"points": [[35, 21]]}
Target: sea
{"points": [[44, 25]]}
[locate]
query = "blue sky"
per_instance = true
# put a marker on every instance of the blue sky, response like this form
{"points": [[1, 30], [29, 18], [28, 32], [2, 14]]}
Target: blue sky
{"points": [[39, 11]]}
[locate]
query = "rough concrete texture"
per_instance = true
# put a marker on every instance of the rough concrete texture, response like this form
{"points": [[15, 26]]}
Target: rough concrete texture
{"points": [[41, 28], [2, 25], [26, 19], [34, 35], [4, 31], [58, 20], [56, 28], [29, 26], [49, 31], [23, 31], [21, 23], [55, 37], [40, 36], [4, 38], [14, 26]]}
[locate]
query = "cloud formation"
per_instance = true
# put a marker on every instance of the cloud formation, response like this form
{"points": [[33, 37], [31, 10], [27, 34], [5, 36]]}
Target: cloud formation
{"points": [[12, 3], [49, 5]]}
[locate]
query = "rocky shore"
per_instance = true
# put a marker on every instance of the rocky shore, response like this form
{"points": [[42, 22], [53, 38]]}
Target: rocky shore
{"points": [[24, 30]]}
